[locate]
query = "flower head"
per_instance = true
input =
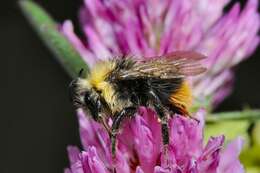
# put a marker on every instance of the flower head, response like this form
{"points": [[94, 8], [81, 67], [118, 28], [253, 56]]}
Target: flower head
{"points": [[139, 148], [150, 27], [147, 28]]}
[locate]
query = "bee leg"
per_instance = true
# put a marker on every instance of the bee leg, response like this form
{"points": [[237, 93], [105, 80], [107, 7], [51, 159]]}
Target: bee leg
{"points": [[119, 117], [105, 125], [101, 117], [164, 130], [163, 116], [163, 119], [113, 142]]}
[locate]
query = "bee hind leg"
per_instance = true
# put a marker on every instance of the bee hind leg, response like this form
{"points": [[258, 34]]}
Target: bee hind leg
{"points": [[119, 117], [163, 119]]}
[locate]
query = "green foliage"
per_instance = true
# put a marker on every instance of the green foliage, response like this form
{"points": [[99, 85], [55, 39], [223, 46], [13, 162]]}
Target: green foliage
{"points": [[47, 29], [244, 124], [247, 114], [231, 129], [231, 124], [250, 156]]}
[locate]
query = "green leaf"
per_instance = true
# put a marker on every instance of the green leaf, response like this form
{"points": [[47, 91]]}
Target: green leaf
{"points": [[47, 29], [250, 157], [234, 116], [238, 123], [231, 124], [231, 130], [255, 134], [252, 169]]}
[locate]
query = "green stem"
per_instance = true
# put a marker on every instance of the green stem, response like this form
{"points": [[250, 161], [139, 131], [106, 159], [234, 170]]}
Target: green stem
{"points": [[233, 116], [47, 29]]}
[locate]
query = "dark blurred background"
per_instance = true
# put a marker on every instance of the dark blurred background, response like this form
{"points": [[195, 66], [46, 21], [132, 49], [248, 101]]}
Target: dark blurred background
{"points": [[38, 121]]}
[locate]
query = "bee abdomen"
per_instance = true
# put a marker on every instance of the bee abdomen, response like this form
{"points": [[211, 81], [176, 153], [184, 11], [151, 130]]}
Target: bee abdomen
{"points": [[181, 99]]}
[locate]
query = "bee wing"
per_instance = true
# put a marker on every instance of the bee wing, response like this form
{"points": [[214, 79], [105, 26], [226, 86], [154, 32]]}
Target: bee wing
{"points": [[173, 65]]}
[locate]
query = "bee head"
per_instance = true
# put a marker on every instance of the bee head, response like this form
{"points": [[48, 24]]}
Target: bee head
{"points": [[84, 96]]}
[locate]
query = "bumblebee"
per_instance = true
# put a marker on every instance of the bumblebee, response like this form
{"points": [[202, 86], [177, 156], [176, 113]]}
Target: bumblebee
{"points": [[115, 88]]}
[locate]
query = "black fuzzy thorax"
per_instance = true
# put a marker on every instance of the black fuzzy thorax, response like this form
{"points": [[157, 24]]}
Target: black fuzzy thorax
{"points": [[136, 90]]}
